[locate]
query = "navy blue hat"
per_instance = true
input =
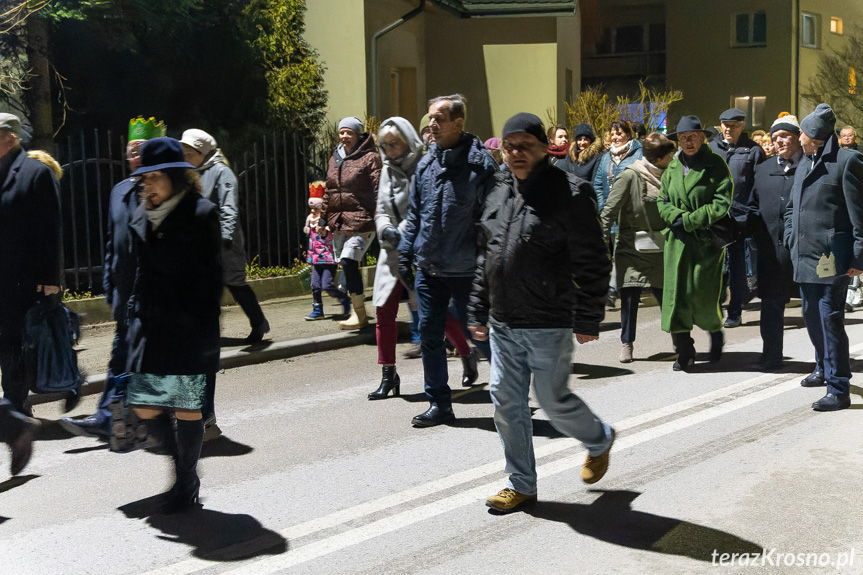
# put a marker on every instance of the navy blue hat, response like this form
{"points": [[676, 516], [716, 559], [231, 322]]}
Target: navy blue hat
{"points": [[583, 130], [733, 115], [161, 154], [688, 124], [819, 125], [525, 123]]}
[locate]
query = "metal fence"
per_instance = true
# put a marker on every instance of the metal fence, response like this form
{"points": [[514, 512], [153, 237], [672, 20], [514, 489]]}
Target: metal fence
{"points": [[273, 174]]}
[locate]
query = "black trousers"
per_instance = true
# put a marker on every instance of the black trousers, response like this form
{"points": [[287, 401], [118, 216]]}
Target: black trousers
{"points": [[11, 334], [248, 303]]}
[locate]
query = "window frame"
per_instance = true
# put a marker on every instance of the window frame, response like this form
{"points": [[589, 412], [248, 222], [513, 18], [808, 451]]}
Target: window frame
{"points": [[750, 42], [816, 43], [839, 29]]}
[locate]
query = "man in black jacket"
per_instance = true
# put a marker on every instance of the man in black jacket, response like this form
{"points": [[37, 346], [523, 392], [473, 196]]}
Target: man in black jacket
{"points": [[770, 196], [30, 246], [824, 231], [543, 274], [742, 155]]}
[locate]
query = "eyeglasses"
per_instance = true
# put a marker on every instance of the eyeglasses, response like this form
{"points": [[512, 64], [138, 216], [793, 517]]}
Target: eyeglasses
{"points": [[509, 147]]}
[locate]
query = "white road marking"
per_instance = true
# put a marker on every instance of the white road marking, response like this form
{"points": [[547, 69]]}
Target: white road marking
{"points": [[409, 517]]}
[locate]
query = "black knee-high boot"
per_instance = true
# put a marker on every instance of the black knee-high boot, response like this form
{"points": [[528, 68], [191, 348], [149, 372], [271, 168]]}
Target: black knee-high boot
{"points": [[184, 494]]}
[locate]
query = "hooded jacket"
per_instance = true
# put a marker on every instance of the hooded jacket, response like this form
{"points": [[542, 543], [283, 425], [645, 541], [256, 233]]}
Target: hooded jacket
{"points": [[447, 195], [352, 187], [392, 206], [543, 262], [584, 163], [607, 171]]}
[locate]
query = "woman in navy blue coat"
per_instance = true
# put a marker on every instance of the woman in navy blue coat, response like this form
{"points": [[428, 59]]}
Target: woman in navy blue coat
{"points": [[174, 310]]}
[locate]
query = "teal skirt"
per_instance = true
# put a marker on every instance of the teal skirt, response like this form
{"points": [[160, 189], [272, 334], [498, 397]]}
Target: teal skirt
{"points": [[178, 391]]}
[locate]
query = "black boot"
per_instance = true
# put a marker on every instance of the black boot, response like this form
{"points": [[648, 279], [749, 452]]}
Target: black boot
{"points": [[248, 301], [183, 496], [685, 348], [19, 431], [389, 381], [469, 373], [717, 340]]}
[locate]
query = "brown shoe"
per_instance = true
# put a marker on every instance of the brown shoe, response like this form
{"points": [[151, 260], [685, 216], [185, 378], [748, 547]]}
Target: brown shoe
{"points": [[595, 466], [508, 500]]}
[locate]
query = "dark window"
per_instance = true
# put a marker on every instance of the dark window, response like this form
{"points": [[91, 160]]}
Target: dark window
{"points": [[742, 28], [759, 28], [657, 37], [629, 39]]}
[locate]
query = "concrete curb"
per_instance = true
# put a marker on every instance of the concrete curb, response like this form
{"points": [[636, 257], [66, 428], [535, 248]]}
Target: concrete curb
{"points": [[259, 353]]}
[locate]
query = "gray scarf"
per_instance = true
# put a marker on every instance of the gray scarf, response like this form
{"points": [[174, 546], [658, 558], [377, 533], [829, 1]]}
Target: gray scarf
{"points": [[158, 214]]}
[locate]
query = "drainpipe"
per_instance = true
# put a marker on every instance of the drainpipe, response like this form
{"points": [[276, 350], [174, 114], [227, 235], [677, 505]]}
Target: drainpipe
{"points": [[413, 13], [795, 70]]}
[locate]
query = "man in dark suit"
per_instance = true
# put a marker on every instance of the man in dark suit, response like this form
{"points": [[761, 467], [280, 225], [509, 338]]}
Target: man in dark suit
{"points": [[771, 193], [741, 154], [824, 231], [118, 278], [30, 250]]}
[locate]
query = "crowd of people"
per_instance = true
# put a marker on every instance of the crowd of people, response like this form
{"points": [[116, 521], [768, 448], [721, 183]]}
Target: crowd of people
{"points": [[510, 249]]}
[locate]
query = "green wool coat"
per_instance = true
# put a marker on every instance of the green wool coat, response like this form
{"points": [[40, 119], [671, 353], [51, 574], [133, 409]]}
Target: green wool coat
{"points": [[693, 266]]}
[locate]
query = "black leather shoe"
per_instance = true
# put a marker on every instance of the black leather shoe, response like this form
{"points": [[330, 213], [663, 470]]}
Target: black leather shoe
{"points": [[831, 402], [814, 379], [685, 365], [770, 362], [434, 415], [92, 426], [469, 372]]}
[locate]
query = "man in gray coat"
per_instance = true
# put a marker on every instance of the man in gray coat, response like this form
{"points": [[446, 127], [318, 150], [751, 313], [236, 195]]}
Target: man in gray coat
{"points": [[824, 231]]}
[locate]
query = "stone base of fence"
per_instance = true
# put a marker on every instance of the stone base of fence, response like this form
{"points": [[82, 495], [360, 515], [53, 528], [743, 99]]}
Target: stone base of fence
{"points": [[95, 310]]}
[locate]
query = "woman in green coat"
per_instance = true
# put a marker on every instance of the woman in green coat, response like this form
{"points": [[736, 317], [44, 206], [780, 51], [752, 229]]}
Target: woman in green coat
{"points": [[695, 193]]}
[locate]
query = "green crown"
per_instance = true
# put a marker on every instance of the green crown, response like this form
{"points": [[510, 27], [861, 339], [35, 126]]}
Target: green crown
{"points": [[141, 129]]}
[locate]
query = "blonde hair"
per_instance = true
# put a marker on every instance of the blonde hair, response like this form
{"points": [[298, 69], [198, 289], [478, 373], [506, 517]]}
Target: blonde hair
{"points": [[45, 158]]}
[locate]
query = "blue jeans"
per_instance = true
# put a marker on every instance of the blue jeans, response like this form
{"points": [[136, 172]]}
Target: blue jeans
{"points": [[547, 354], [433, 299], [824, 314]]}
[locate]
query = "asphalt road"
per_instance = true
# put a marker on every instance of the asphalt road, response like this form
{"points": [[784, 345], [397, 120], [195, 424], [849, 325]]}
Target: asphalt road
{"points": [[310, 477]]}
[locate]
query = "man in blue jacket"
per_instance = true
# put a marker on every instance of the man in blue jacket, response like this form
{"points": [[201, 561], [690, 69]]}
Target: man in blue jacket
{"points": [[824, 231], [118, 278], [447, 193], [30, 250]]}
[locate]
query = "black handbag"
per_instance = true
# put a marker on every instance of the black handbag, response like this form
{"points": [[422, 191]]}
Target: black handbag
{"points": [[723, 231]]}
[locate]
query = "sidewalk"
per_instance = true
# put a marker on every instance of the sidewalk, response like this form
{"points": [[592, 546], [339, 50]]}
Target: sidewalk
{"points": [[290, 335]]}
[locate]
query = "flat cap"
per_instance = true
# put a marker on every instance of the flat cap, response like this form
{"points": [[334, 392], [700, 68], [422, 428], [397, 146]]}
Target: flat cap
{"points": [[733, 115]]}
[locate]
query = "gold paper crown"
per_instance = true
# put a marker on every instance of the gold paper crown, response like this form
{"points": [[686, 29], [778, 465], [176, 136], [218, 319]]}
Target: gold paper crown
{"points": [[141, 129]]}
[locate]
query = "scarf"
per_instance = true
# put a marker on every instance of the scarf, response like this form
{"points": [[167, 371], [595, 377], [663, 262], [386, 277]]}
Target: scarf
{"points": [[618, 153], [158, 214], [651, 176], [558, 151]]}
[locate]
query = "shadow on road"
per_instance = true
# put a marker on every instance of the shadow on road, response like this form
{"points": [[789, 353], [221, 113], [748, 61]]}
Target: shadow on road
{"points": [[611, 519], [744, 361], [541, 427], [213, 535], [588, 371], [224, 447], [14, 482]]}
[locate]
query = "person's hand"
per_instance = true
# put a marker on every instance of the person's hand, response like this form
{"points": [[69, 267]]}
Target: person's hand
{"points": [[853, 272], [48, 290], [581, 338], [408, 276], [478, 332], [391, 236]]}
